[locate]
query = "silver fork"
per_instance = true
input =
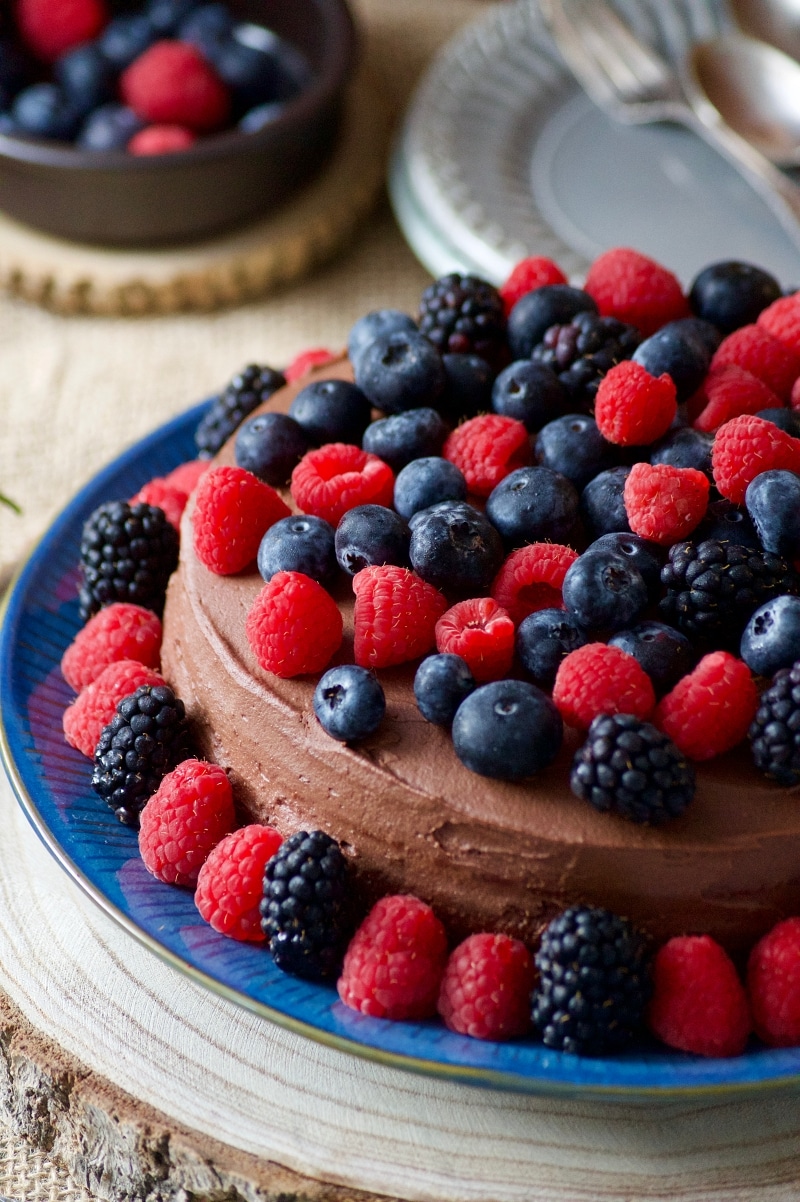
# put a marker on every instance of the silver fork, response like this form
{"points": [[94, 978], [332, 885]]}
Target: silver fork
{"points": [[634, 85]]}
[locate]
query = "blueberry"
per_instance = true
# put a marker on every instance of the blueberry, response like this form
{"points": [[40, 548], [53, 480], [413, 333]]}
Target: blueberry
{"points": [[665, 654], [44, 111], [440, 685], [86, 77], [331, 411], [468, 387], [732, 294], [455, 548], [349, 703], [270, 445], [373, 324], [773, 503], [14, 68], [535, 312], [602, 504], [165, 16], [533, 504], [299, 543], [125, 38], [397, 440], [401, 371], [771, 638], [573, 446], [704, 331], [260, 116], [784, 419], [685, 447], [727, 522], [371, 535], [252, 75], [677, 350], [207, 27], [507, 730], [645, 556], [529, 392], [110, 127], [426, 482], [604, 591], [543, 639]]}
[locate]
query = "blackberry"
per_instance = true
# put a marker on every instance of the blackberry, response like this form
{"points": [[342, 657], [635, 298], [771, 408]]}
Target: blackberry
{"points": [[631, 768], [775, 731], [464, 315], [594, 982], [304, 912], [713, 587], [243, 394], [581, 352], [147, 737], [128, 553]]}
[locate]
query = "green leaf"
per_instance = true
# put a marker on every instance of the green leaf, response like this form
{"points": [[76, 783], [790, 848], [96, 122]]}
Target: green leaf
{"points": [[4, 500]]}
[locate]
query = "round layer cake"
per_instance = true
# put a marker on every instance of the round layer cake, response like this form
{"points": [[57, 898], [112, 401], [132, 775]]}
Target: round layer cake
{"points": [[486, 854]]}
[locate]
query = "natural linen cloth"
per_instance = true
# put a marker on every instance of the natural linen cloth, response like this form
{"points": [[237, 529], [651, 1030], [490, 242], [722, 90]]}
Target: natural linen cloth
{"points": [[74, 392]]}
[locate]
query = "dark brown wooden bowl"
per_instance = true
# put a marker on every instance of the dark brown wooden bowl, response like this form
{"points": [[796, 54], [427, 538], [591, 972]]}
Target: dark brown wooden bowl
{"points": [[115, 199]]}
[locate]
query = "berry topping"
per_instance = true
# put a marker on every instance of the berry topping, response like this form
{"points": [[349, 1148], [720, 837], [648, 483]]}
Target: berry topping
{"points": [[728, 392], [529, 274], [184, 820], [118, 631], [482, 633], [232, 511], [85, 719], [171, 83], [773, 985], [599, 679], [604, 590], [371, 535], [573, 446], [732, 294], [294, 626], [464, 315], [775, 730], [544, 638], [534, 504], [634, 408], [440, 685], [331, 411], [349, 703], [270, 445], [710, 710], [529, 392], [644, 555], [699, 1004], [165, 496], [531, 579], [754, 349], [405, 437], [485, 990], [583, 351], [663, 503], [486, 449], [230, 882], [455, 548], [337, 477], [299, 543], [395, 616], [128, 553], [52, 27], [507, 729], [425, 482], [395, 961], [400, 371], [635, 289], [250, 388]]}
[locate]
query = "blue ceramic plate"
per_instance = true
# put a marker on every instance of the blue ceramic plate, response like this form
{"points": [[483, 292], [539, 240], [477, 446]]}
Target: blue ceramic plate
{"points": [[52, 782]]}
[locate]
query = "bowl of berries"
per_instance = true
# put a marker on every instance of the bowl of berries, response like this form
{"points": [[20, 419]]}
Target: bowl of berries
{"points": [[166, 121]]}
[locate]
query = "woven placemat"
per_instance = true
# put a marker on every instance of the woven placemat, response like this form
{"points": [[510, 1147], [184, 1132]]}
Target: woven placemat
{"points": [[235, 267]]}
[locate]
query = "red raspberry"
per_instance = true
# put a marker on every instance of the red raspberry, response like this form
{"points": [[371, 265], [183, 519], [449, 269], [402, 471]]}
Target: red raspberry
{"points": [[393, 967], [161, 139], [486, 449], [745, 447], [633, 408], [395, 616], [528, 275], [486, 988], [171, 83], [664, 503], [230, 883], [118, 631], [598, 679], [168, 497], [184, 820], [294, 626], [754, 349], [233, 510], [781, 319], [52, 27], [627, 285], [699, 1004], [482, 633], [187, 476], [709, 711], [85, 719], [773, 985], [794, 399], [531, 579], [334, 478], [729, 392], [301, 365]]}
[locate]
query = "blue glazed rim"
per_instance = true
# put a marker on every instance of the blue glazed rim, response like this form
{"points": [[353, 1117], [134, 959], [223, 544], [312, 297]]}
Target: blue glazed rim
{"points": [[52, 783]]}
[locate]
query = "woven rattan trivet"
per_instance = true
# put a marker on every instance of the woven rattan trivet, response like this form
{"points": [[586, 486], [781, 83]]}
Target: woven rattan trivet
{"points": [[233, 268]]}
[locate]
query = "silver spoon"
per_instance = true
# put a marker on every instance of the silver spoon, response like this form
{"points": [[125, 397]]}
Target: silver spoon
{"points": [[774, 21]]}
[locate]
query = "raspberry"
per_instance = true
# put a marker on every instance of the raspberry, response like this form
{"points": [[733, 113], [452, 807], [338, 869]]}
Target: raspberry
{"points": [[161, 139], [632, 407], [599, 679], [293, 626], [486, 449], [87, 717], [794, 399], [184, 820], [52, 27], [395, 616], [187, 476], [482, 633], [782, 320], [699, 1004], [485, 991], [729, 392], [529, 274], [773, 985], [120, 631], [230, 883], [173, 84], [531, 579], [627, 285], [754, 349], [710, 710], [302, 364], [394, 965], [166, 496], [663, 503], [334, 478], [745, 447], [233, 510]]}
